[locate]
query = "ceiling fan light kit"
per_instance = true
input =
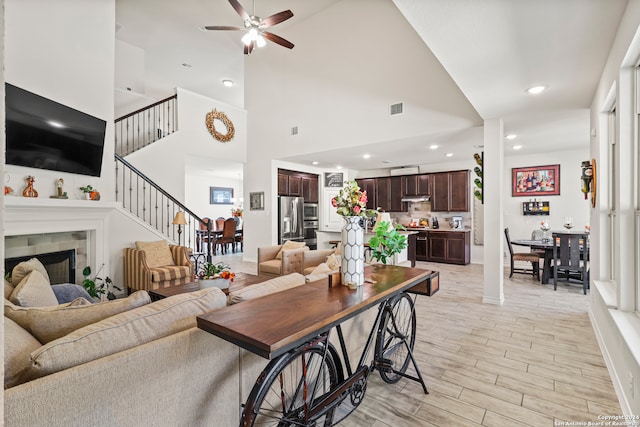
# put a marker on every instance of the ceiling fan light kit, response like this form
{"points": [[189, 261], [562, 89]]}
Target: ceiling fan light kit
{"points": [[256, 35]]}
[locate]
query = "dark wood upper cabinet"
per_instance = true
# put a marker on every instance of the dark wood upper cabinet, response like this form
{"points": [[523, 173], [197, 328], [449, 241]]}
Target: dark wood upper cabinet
{"points": [[295, 185], [416, 185], [395, 196], [369, 185], [383, 193], [450, 191], [424, 185], [298, 184], [310, 189], [283, 185]]}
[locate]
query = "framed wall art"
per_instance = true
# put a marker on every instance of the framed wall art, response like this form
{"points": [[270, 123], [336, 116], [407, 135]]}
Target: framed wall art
{"points": [[220, 195], [256, 201], [535, 181], [333, 179]]}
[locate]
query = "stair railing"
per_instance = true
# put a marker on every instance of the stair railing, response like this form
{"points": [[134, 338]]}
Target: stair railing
{"points": [[146, 125], [143, 198]]}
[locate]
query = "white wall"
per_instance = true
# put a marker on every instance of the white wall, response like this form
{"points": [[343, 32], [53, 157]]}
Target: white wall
{"points": [[612, 304], [197, 194], [165, 161], [64, 51]]}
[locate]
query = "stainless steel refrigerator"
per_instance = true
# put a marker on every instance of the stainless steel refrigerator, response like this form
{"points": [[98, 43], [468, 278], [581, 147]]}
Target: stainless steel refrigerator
{"points": [[290, 219]]}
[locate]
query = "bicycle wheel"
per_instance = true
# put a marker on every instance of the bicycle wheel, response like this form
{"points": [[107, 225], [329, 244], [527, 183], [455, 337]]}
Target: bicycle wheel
{"points": [[284, 398], [398, 324]]}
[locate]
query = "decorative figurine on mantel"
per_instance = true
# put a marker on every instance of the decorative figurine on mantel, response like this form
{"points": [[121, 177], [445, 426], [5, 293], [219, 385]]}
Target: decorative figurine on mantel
{"points": [[61, 194], [29, 191]]}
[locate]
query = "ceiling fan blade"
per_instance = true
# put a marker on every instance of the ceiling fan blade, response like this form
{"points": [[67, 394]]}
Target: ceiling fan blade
{"points": [[238, 7], [277, 39], [276, 18], [222, 27]]}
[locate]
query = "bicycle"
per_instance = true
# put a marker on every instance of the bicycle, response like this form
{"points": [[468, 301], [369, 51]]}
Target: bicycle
{"points": [[307, 387]]}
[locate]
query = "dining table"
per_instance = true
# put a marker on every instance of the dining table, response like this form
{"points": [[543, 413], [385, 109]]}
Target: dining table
{"points": [[547, 246]]}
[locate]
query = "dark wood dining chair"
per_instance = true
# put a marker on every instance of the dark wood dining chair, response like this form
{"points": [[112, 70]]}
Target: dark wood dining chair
{"points": [[570, 259], [219, 224], [205, 239], [228, 235], [534, 259]]}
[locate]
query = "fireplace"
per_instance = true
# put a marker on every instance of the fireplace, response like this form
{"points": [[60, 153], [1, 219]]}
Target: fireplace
{"points": [[61, 265]]}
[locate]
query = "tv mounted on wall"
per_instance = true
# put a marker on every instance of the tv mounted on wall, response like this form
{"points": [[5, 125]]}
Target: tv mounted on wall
{"points": [[44, 134]]}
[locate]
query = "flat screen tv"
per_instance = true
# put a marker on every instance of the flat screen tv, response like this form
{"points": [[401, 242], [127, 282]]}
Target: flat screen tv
{"points": [[44, 134]]}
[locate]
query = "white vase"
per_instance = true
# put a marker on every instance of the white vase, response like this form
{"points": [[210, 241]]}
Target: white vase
{"points": [[218, 282], [352, 252]]}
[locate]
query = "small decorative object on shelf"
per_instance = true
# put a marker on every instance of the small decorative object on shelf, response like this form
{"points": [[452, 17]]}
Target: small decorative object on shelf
{"points": [[216, 275], [351, 204], [90, 193], [568, 222], [535, 207], [60, 194], [29, 191], [479, 170], [98, 287]]}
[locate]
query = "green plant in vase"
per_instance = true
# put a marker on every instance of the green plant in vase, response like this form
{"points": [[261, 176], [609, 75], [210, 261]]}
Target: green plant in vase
{"points": [[387, 242], [97, 286]]}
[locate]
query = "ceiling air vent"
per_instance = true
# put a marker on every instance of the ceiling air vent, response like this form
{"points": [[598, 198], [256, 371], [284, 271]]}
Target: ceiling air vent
{"points": [[294, 130], [396, 108]]}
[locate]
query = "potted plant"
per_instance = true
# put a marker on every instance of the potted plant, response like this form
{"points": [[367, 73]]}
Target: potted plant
{"points": [[97, 286], [90, 192], [216, 275], [387, 242]]}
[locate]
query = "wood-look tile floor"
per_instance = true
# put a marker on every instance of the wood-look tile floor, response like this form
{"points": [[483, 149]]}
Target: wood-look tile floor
{"points": [[534, 361]]}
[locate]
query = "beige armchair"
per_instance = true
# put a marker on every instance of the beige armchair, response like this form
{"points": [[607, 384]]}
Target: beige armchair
{"points": [[270, 265], [154, 268]]}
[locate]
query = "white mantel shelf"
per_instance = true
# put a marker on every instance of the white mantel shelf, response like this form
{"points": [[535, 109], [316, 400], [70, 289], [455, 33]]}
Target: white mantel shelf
{"points": [[39, 202]]}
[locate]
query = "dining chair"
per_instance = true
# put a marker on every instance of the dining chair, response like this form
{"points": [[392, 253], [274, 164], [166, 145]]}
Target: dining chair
{"points": [[228, 235], [219, 223], [570, 259], [205, 239], [538, 235], [534, 259]]}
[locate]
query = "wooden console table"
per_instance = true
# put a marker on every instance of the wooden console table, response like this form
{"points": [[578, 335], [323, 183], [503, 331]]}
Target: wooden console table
{"points": [[269, 327]]}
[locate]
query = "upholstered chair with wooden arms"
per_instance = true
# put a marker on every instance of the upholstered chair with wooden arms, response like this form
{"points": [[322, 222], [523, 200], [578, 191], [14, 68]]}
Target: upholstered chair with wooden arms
{"points": [[157, 265], [533, 258], [279, 260]]}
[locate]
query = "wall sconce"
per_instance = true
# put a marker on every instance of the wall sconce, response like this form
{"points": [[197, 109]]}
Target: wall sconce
{"points": [[179, 220]]}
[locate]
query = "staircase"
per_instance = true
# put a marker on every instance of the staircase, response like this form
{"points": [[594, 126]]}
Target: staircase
{"points": [[143, 198]]}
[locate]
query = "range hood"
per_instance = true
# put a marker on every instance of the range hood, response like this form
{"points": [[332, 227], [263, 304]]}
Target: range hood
{"points": [[416, 199]]}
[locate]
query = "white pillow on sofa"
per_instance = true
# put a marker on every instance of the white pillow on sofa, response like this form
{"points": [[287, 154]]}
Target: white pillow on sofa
{"points": [[34, 291], [25, 267], [271, 286], [124, 331]]}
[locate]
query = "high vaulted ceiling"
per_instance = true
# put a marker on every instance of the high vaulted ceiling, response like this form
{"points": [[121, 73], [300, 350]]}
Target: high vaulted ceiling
{"points": [[492, 49]]}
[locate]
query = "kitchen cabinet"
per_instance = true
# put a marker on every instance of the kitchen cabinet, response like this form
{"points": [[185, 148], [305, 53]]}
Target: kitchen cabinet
{"points": [[369, 185], [416, 185], [283, 185], [395, 194], [450, 191], [295, 185], [450, 247], [421, 246], [383, 194], [310, 189]]}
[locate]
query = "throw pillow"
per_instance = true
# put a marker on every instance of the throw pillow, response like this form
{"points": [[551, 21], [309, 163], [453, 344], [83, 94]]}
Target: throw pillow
{"points": [[321, 268], [124, 331], [18, 344], [157, 253], [49, 325], [278, 284], [334, 261], [34, 291], [19, 314], [24, 268], [338, 249], [289, 245]]}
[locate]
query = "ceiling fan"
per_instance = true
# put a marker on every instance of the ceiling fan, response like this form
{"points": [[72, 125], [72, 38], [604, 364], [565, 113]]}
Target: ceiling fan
{"points": [[255, 26]]}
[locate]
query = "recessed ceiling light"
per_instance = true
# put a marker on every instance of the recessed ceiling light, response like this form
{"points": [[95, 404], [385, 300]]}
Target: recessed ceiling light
{"points": [[449, 154], [314, 163], [338, 167], [55, 124], [227, 83], [434, 146], [184, 64], [386, 161], [517, 147], [534, 90], [366, 156], [511, 136]]}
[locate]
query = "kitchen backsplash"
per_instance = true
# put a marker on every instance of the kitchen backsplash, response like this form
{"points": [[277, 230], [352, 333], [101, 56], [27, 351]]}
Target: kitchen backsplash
{"points": [[422, 210]]}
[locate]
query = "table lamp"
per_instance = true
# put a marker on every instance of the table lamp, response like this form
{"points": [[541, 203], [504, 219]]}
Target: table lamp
{"points": [[383, 217], [180, 220]]}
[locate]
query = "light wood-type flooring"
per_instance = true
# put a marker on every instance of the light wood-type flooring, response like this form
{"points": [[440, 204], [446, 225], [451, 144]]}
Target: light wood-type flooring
{"points": [[534, 361]]}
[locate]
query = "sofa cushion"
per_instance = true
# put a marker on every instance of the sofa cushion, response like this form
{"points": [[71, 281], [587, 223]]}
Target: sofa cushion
{"points": [[34, 290], [273, 266], [319, 272], [19, 314], [25, 267], [18, 344], [8, 288], [161, 274], [289, 244], [265, 288], [157, 253], [48, 325], [125, 330]]}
